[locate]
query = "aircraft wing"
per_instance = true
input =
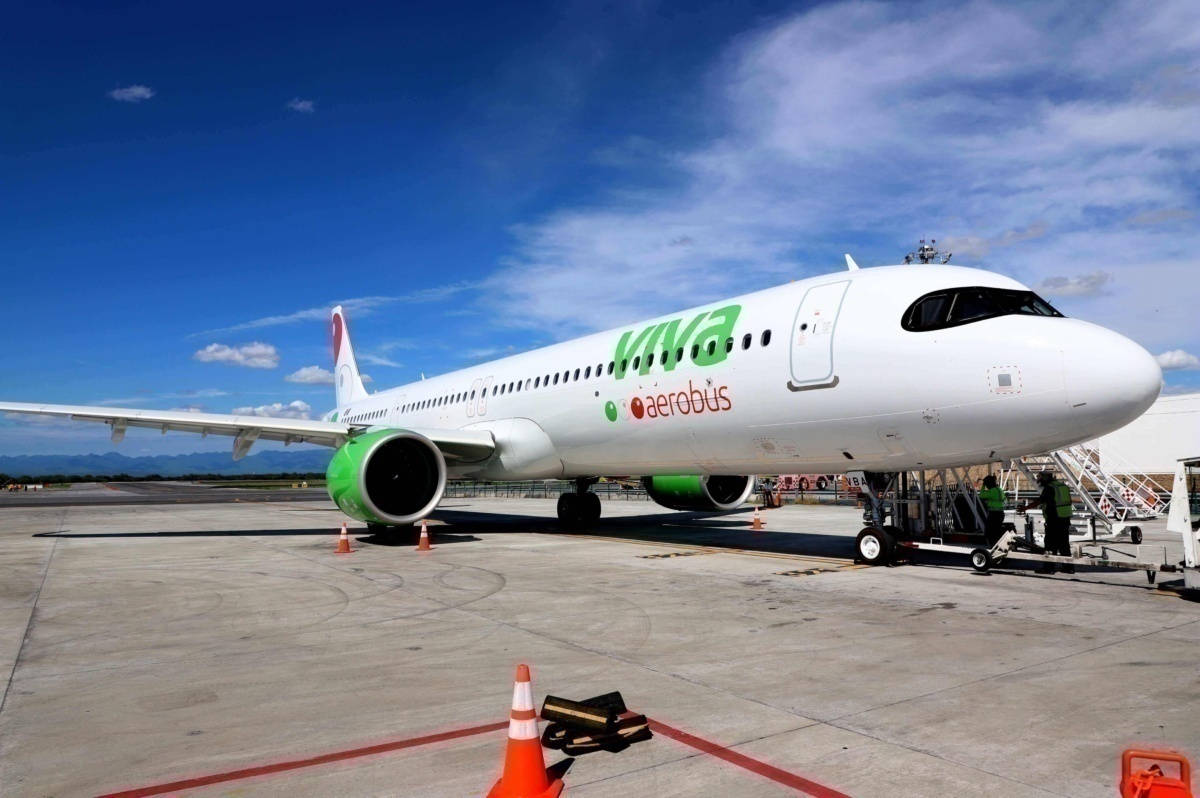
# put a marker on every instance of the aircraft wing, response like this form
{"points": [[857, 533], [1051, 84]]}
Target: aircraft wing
{"points": [[467, 445]]}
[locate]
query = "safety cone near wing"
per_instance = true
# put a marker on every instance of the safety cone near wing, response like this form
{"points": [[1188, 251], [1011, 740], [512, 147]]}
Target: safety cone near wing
{"points": [[343, 542], [525, 773], [423, 543], [758, 524]]}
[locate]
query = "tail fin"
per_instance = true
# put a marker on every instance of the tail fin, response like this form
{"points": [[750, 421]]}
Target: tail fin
{"points": [[347, 384]]}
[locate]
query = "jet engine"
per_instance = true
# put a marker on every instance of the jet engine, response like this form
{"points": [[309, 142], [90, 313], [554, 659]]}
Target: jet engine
{"points": [[387, 477], [691, 492]]}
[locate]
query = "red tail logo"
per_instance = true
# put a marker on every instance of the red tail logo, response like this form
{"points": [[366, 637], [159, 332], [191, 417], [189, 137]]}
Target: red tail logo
{"points": [[337, 336]]}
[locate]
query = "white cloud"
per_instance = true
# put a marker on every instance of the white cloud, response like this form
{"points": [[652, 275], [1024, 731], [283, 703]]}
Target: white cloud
{"points": [[1081, 285], [1023, 133], [190, 409], [356, 307], [147, 397], [132, 94], [303, 106], [256, 355], [1161, 216], [1174, 359], [376, 360], [311, 375], [296, 409]]}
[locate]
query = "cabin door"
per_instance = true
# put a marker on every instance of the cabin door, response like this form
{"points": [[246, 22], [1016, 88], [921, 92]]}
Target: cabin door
{"points": [[812, 337]]}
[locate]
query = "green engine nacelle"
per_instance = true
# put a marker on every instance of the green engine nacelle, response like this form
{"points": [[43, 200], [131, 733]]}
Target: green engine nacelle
{"points": [[693, 492], [387, 477]]}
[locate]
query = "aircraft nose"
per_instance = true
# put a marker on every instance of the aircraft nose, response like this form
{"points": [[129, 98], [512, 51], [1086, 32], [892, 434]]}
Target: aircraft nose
{"points": [[1110, 380]]}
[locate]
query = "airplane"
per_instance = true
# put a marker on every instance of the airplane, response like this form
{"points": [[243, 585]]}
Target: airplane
{"points": [[885, 369]]}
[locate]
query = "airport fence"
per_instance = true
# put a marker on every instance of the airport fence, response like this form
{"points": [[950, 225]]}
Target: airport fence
{"points": [[541, 489]]}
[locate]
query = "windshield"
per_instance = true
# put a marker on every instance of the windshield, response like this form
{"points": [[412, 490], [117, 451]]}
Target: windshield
{"points": [[954, 306]]}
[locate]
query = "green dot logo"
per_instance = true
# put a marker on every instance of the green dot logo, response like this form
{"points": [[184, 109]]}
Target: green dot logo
{"points": [[610, 411]]}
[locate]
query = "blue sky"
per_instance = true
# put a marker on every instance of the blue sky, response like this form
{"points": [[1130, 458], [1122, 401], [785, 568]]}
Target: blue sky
{"points": [[187, 189]]}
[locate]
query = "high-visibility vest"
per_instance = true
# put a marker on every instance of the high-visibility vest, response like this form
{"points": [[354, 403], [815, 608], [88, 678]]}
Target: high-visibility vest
{"points": [[1062, 499], [992, 498]]}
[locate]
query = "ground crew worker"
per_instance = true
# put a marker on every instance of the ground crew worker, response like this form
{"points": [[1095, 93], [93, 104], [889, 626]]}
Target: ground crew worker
{"points": [[993, 501], [1055, 501]]}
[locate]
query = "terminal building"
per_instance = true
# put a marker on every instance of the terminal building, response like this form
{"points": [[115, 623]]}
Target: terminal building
{"points": [[1153, 443]]}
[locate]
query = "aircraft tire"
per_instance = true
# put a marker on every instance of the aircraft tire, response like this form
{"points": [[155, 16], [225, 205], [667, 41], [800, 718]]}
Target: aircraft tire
{"points": [[590, 507], [569, 509], [874, 546]]}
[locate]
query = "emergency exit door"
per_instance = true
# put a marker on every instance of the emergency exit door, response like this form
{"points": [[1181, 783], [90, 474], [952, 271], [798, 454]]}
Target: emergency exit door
{"points": [[812, 337]]}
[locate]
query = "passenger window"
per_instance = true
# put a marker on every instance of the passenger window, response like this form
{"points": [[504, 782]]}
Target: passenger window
{"points": [[611, 365], [679, 355], [577, 375], [695, 351], [746, 339], [712, 346], [556, 378], [599, 369], [587, 373], [662, 361], [624, 365], [766, 337], [728, 345], [636, 361], [537, 382]]}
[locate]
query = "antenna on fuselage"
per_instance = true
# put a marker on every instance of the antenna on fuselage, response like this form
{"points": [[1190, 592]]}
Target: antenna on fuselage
{"points": [[927, 253]]}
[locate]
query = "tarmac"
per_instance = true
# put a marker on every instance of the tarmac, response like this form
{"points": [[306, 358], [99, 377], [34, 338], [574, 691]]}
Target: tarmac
{"points": [[224, 649]]}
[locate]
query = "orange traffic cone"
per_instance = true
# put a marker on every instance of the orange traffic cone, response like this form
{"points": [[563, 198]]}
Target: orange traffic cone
{"points": [[423, 543], [343, 542], [525, 773], [758, 524]]}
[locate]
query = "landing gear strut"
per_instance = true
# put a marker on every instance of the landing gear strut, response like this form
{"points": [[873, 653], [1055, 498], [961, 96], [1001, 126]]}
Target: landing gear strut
{"points": [[582, 506]]}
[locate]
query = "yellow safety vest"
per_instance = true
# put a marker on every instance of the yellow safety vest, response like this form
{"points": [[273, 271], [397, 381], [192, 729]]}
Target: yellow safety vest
{"points": [[992, 498], [1062, 500]]}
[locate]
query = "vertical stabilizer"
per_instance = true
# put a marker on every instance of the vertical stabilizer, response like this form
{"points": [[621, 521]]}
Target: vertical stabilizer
{"points": [[347, 384]]}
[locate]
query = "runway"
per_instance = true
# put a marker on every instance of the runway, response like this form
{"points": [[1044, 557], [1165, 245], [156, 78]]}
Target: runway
{"points": [[225, 648], [90, 494]]}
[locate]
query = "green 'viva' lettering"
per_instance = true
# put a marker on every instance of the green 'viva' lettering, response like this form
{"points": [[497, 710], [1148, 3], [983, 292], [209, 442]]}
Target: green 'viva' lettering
{"points": [[672, 339]]}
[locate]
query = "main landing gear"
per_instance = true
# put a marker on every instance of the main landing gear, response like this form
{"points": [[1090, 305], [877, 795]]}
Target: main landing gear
{"points": [[579, 507]]}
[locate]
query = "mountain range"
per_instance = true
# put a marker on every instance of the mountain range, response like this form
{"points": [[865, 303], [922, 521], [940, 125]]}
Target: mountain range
{"points": [[112, 463]]}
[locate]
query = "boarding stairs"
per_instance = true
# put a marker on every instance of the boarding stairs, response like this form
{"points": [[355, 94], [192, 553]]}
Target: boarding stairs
{"points": [[1135, 498]]}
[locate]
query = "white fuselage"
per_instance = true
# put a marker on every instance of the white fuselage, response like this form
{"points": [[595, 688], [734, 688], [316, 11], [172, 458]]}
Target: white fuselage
{"points": [[840, 385]]}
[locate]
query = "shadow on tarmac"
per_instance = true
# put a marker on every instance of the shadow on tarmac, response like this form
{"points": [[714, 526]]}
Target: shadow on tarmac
{"points": [[727, 530], [200, 533]]}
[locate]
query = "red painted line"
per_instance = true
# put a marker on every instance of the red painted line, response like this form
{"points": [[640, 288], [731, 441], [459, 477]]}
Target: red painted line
{"points": [[741, 760], [704, 746], [296, 764]]}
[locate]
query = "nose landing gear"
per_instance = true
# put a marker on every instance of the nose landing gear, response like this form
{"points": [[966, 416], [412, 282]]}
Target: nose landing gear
{"points": [[579, 507]]}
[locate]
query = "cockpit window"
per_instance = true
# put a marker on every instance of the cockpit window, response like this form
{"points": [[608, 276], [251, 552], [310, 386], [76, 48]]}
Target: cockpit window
{"points": [[954, 306]]}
